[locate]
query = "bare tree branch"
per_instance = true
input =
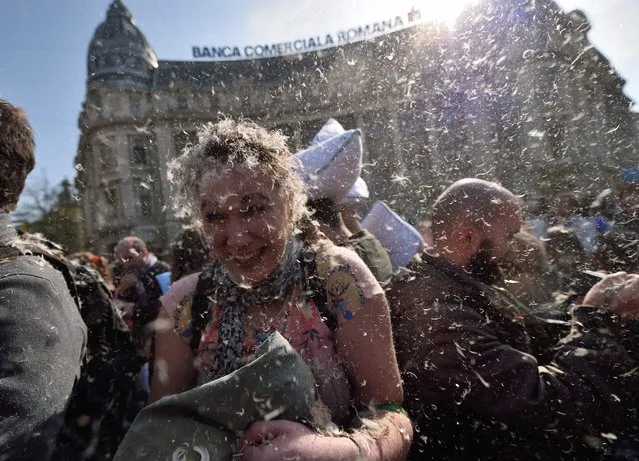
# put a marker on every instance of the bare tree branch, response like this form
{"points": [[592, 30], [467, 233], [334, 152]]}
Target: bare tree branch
{"points": [[41, 198]]}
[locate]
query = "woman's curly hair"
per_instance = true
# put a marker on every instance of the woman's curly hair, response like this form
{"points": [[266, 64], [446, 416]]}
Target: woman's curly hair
{"points": [[235, 143]]}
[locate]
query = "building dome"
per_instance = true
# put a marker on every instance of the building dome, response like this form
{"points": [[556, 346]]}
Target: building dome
{"points": [[119, 52]]}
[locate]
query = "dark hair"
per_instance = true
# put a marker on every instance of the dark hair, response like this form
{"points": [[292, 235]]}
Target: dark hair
{"points": [[325, 211], [97, 262], [16, 154], [189, 253]]}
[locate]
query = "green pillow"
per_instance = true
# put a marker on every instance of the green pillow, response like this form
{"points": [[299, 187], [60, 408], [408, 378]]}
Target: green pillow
{"points": [[204, 423]]}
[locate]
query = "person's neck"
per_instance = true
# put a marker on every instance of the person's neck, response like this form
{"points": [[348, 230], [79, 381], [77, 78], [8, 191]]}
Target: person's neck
{"points": [[351, 223], [336, 235]]}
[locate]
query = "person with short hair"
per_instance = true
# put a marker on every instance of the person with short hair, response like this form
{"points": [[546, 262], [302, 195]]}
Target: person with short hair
{"points": [[487, 377], [189, 253], [42, 335]]}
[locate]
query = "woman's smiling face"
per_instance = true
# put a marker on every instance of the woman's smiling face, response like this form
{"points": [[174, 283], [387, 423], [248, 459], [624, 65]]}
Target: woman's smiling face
{"points": [[247, 220]]}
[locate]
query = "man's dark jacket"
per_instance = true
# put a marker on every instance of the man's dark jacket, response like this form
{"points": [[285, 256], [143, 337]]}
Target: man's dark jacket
{"points": [[486, 379], [42, 338]]}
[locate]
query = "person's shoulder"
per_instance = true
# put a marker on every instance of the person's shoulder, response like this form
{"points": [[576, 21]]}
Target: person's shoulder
{"points": [[363, 234], [27, 264], [432, 283], [35, 277], [415, 314], [426, 269], [339, 265], [330, 258], [367, 242]]}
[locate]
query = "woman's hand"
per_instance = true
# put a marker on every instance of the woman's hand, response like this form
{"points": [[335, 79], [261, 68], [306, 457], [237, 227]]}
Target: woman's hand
{"points": [[279, 440]]}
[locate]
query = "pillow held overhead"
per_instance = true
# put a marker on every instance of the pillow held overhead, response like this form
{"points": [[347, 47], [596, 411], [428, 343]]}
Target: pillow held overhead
{"points": [[330, 129], [330, 169], [400, 239], [359, 191]]}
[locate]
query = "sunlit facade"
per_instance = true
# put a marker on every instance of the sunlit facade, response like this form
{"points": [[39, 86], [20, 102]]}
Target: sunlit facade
{"points": [[515, 93]]}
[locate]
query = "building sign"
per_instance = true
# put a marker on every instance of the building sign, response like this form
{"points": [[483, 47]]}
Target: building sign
{"points": [[307, 44]]}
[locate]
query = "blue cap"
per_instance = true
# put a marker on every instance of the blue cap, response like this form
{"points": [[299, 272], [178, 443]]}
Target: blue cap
{"points": [[164, 280]]}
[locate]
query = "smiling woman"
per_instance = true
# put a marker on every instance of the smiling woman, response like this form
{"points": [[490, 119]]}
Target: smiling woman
{"points": [[274, 274], [250, 226]]}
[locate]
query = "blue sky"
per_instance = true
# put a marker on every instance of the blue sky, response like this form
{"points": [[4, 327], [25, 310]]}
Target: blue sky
{"points": [[43, 46]]}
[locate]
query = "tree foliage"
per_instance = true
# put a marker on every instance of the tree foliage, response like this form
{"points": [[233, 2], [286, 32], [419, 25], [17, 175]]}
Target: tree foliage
{"points": [[53, 212]]}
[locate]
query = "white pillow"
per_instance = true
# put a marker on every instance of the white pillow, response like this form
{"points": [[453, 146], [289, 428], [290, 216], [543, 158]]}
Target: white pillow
{"points": [[400, 239], [329, 169], [357, 192], [330, 129]]}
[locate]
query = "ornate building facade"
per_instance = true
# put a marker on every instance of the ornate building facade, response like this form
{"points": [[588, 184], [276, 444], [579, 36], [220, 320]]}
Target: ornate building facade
{"points": [[515, 94]]}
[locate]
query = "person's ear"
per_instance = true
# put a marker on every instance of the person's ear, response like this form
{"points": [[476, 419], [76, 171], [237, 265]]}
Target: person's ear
{"points": [[467, 238], [475, 239]]}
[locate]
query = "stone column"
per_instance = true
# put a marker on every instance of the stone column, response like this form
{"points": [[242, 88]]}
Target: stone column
{"points": [[165, 152]]}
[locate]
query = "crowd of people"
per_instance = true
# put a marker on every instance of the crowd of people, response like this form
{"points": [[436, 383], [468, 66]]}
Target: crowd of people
{"points": [[283, 325]]}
